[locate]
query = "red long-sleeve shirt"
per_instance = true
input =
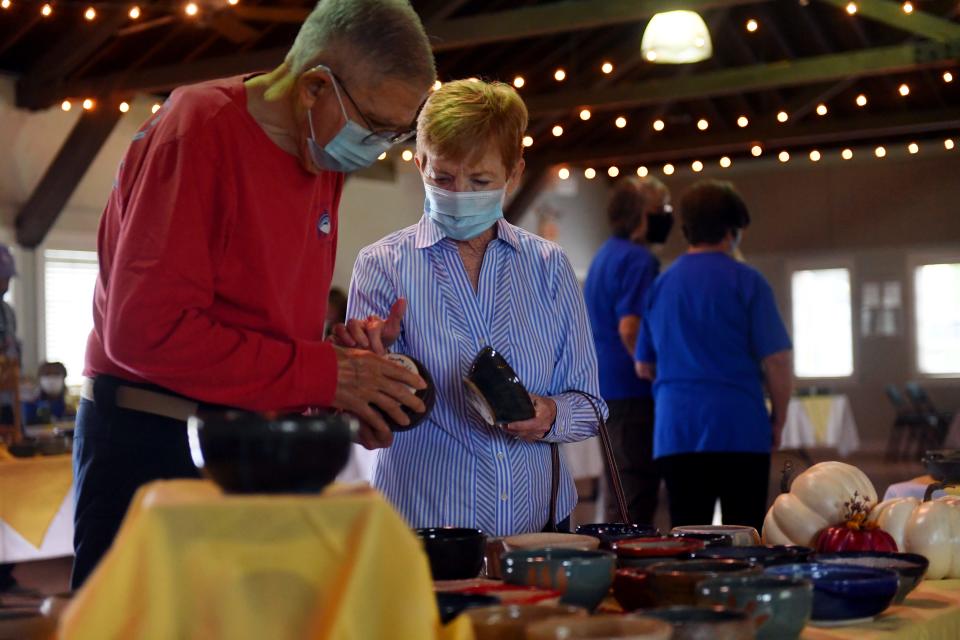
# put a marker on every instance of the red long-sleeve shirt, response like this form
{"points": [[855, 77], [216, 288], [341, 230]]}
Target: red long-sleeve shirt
{"points": [[216, 252]]}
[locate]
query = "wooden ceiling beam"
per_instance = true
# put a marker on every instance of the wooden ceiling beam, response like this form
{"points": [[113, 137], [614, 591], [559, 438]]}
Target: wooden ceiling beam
{"points": [[804, 71], [818, 132], [891, 13], [38, 215]]}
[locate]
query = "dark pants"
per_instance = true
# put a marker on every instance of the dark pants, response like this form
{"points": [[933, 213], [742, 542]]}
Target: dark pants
{"points": [[116, 451], [696, 480], [631, 437]]}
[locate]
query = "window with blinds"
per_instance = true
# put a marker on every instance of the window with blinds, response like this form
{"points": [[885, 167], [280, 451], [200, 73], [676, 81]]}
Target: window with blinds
{"points": [[937, 289], [822, 323], [69, 279]]}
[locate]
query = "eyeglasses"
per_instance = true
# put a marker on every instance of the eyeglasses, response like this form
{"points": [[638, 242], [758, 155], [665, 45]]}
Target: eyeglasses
{"points": [[374, 137]]}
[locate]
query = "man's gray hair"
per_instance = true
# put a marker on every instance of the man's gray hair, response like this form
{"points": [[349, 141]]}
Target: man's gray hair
{"points": [[387, 35]]}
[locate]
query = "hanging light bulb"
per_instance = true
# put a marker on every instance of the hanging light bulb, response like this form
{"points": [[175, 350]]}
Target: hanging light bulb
{"points": [[559, 75], [668, 169], [676, 37], [613, 172], [752, 25], [725, 162], [90, 14], [743, 122], [518, 82], [782, 117], [852, 8], [124, 107], [913, 148], [436, 85], [697, 166], [880, 152], [585, 114], [948, 144], [702, 124], [233, 3], [642, 171], [382, 156], [607, 68], [947, 77], [904, 90], [861, 100], [89, 104], [155, 107], [822, 109], [815, 156], [4, 4], [527, 141], [846, 154], [908, 7], [658, 125], [784, 156], [756, 150], [563, 173], [590, 173], [621, 122], [557, 131], [46, 10], [407, 155], [65, 105], [191, 9], [134, 13]]}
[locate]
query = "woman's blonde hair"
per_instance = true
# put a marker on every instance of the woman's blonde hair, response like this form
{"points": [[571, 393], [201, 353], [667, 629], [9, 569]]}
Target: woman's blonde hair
{"points": [[461, 116]]}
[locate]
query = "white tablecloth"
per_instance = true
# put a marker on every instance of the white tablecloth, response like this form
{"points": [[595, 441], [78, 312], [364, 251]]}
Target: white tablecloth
{"points": [[57, 543], [838, 429], [915, 489]]}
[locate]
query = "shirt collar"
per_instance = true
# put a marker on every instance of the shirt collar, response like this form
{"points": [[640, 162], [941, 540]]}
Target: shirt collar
{"points": [[429, 234]]}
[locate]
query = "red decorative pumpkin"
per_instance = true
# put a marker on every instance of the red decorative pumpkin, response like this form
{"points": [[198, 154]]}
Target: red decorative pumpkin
{"points": [[855, 533]]}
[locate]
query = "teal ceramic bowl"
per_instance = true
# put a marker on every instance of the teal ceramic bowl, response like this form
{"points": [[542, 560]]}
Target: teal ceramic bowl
{"points": [[778, 605], [583, 577]]}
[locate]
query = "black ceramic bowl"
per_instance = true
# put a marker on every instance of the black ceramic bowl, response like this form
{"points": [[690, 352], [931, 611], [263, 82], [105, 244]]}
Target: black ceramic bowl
{"points": [[766, 556], [252, 453], [455, 553], [943, 464], [708, 539], [496, 391], [910, 567], [452, 604], [428, 395], [610, 532]]}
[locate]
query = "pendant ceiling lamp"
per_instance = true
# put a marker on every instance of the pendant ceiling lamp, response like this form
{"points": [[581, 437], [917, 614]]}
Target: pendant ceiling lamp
{"points": [[676, 37]]}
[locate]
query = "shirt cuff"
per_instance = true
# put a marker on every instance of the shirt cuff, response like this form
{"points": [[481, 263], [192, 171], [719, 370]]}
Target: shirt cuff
{"points": [[561, 424]]}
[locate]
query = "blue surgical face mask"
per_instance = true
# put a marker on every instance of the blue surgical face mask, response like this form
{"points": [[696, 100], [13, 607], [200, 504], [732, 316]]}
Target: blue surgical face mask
{"points": [[351, 149], [462, 215]]}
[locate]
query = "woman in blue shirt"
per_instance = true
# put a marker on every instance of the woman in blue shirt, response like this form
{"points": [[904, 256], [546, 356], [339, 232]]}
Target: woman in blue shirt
{"points": [[461, 279], [711, 340]]}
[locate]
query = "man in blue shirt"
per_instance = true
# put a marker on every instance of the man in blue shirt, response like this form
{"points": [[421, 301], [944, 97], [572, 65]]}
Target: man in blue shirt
{"points": [[712, 338], [619, 277]]}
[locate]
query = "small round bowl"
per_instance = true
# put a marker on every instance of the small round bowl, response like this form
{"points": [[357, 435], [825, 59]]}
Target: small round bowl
{"points": [[842, 592], [455, 553], [779, 606], [740, 536], [671, 583], [551, 541], [584, 577], [452, 605], [247, 452], [601, 627], [708, 539], [766, 556], [610, 532], [509, 622], [428, 394], [505, 593], [910, 567], [705, 623], [638, 553]]}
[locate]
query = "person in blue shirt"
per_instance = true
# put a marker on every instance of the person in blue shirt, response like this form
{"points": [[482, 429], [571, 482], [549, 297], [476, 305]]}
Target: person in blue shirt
{"points": [[50, 405], [712, 339], [621, 273]]}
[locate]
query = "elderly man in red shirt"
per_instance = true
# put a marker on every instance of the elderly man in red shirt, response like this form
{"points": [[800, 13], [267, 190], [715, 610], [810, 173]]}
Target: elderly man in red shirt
{"points": [[217, 248]]}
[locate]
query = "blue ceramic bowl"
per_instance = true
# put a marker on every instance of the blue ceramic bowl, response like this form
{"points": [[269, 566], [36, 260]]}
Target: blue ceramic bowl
{"points": [[609, 532], [910, 567], [766, 556], [779, 606], [583, 577], [843, 592]]}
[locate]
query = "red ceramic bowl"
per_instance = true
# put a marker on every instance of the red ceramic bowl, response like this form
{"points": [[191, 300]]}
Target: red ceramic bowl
{"points": [[642, 552]]}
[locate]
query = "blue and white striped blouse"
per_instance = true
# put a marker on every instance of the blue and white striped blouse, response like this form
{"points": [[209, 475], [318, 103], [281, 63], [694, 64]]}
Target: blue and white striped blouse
{"points": [[453, 469]]}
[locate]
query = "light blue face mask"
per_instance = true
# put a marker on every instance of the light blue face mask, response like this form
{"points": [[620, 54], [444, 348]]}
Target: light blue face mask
{"points": [[462, 215], [353, 148]]}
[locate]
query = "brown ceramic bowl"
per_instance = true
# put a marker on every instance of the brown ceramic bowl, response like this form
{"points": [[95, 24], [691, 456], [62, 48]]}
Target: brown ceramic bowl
{"points": [[740, 535], [671, 583], [643, 552], [706, 623], [551, 541], [509, 622]]}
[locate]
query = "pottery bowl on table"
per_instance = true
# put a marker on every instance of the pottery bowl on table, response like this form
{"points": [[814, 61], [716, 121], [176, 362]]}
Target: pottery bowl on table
{"points": [[708, 539], [671, 583], [740, 536], [428, 395], [705, 623], [455, 553], [510, 622], [550, 540], [843, 592], [452, 605], [601, 627], [584, 577], [642, 552], [245, 452], [779, 606], [943, 464], [505, 593], [910, 567], [610, 532], [764, 555]]}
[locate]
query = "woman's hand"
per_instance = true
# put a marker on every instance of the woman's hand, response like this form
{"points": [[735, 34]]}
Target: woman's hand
{"points": [[539, 425], [374, 333]]}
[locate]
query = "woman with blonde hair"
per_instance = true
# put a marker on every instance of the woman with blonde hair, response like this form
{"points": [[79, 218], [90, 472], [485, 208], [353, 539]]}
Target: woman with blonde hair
{"points": [[459, 280]]}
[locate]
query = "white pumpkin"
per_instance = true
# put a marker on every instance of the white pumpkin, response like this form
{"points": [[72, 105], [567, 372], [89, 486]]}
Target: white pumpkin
{"points": [[931, 529], [815, 501]]}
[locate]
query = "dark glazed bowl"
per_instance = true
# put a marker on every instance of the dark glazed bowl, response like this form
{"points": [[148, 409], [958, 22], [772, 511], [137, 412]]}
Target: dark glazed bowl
{"points": [[455, 553], [427, 395], [943, 464], [766, 556], [708, 539], [643, 552], [252, 453], [453, 604], [584, 577], [671, 583], [779, 606], [495, 390], [610, 532], [843, 592], [910, 567], [705, 623]]}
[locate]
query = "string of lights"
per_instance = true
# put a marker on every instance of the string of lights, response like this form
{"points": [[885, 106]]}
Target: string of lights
{"points": [[91, 11]]}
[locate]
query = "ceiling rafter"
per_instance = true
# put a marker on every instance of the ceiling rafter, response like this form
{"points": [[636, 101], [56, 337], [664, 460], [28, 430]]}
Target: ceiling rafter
{"points": [[919, 22]]}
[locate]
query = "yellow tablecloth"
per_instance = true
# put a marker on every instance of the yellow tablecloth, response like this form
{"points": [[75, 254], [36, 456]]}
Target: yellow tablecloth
{"points": [[818, 408], [931, 612], [31, 492], [190, 562]]}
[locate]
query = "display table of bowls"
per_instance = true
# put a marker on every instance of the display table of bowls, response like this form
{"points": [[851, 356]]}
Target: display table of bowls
{"points": [[779, 606], [764, 555], [510, 622], [843, 594], [612, 532], [455, 553], [740, 536], [642, 552], [705, 623], [910, 567], [671, 583], [583, 577], [601, 627]]}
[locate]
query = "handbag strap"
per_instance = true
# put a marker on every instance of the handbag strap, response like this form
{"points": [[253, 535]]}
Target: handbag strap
{"points": [[612, 469]]}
